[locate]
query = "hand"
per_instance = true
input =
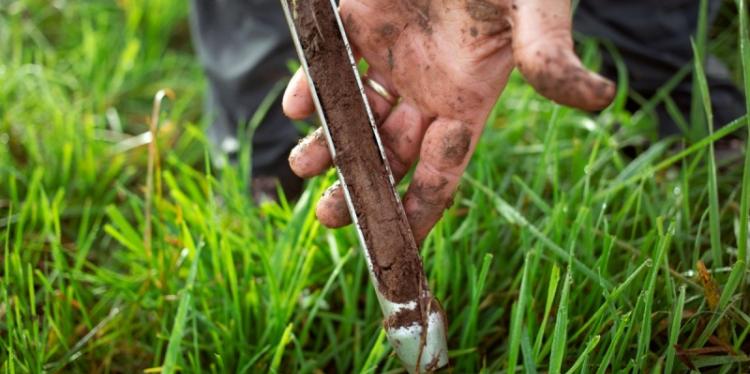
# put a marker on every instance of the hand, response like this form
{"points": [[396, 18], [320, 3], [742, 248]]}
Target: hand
{"points": [[447, 61]]}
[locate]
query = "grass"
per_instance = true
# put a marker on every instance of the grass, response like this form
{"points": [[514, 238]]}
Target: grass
{"points": [[561, 254]]}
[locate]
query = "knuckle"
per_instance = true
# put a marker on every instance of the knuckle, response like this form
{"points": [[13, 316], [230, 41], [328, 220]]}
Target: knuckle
{"points": [[431, 193], [398, 166], [450, 147], [422, 217]]}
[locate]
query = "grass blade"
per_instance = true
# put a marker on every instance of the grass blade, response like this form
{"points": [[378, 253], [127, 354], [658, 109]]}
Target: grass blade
{"points": [[376, 354], [713, 189], [589, 347], [518, 311], [644, 336], [559, 339], [186, 294], [674, 331], [744, 41], [621, 324], [286, 337], [554, 280], [697, 107], [477, 288], [528, 355]]}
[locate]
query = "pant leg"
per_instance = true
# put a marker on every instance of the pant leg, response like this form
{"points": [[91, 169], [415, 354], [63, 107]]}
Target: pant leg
{"points": [[653, 37], [244, 46]]}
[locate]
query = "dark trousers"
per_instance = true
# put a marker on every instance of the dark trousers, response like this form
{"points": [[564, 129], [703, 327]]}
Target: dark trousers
{"points": [[244, 44], [653, 38]]}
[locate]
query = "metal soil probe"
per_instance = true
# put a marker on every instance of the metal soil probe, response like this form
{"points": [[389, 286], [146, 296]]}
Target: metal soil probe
{"points": [[414, 322]]}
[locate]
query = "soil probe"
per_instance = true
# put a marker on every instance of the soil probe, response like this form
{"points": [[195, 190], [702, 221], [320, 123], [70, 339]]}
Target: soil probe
{"points": [[413, 319]]}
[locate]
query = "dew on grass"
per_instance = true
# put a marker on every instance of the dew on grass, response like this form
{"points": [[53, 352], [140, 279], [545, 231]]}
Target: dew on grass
{"points": [[589, 124]]}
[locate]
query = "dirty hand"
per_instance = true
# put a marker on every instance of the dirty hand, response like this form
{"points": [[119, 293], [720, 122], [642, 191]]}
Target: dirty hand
{"points": [[445, 62]]}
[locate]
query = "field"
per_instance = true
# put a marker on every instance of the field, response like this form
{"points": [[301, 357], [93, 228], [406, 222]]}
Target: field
{"points": [[564, 252]]}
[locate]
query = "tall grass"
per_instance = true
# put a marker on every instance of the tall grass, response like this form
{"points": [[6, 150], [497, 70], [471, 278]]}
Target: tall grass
{"points": [[561, 254]]}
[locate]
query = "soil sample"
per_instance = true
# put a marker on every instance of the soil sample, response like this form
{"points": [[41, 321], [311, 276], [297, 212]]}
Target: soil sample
{"points": [[392, 252]]}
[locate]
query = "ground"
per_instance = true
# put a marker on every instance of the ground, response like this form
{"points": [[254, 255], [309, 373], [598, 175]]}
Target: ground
{"points": [[561, 252]]}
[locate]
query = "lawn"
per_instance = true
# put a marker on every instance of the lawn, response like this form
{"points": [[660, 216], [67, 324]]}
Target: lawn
{"points": [[564, 252]]}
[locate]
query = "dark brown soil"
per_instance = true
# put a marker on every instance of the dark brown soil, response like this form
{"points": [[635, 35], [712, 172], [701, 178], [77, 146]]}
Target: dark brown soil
{"points": [[391, 245], [407, 317]]}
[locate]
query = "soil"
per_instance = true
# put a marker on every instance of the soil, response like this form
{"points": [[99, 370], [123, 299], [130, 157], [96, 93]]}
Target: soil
{"points": [[405, 317], [391, 245], [484, 11]]}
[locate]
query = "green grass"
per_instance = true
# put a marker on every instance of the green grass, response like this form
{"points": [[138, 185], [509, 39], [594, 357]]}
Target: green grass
{"points": [[561, 254]]}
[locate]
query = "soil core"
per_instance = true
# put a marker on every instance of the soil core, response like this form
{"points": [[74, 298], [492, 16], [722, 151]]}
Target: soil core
{"points": [[390, 243]]}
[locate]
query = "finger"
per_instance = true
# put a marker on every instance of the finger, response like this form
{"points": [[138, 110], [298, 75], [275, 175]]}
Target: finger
{"points": [[377, 101], [380, 107], [312, 157], [446, 150], [401, 135], [297, 102], [543, 50], [332, 210]]}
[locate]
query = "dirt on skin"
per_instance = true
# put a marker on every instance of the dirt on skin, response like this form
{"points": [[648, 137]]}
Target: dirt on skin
{"points": [[391, 246], [484, 11]]}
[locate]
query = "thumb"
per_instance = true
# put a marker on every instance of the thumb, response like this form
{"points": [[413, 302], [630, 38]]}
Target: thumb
{"points": [[543, 52]]}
